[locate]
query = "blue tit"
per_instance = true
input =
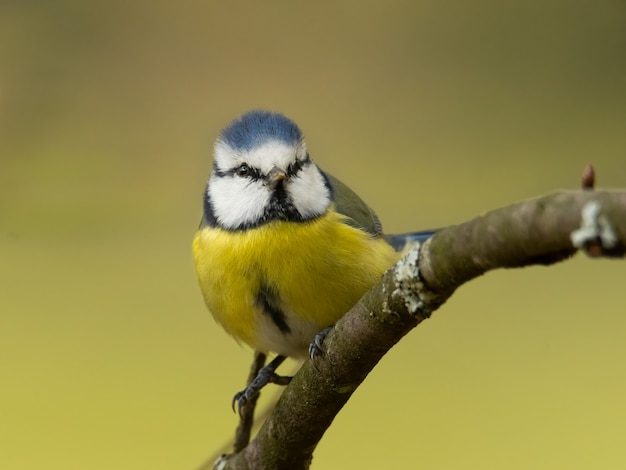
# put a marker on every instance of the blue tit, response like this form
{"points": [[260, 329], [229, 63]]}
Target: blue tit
{"points": [[284, 249]]}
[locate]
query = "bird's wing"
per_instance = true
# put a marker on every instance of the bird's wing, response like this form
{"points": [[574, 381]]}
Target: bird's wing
{"points": [[349, 204], [363, 217]]}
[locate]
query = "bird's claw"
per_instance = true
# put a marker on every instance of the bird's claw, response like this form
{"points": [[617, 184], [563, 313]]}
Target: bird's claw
{"points": [[316, 348], [242, 398], [265, 376]]}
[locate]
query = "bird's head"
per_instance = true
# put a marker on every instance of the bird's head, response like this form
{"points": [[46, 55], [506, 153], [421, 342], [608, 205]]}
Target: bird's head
{"points": [[262, 172]]}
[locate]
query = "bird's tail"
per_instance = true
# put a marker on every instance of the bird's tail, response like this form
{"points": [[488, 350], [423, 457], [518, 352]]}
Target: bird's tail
{"points": [[402, 241]]}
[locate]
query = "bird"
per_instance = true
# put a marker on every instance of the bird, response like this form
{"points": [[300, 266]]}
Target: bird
{"points": [[284, 249]]}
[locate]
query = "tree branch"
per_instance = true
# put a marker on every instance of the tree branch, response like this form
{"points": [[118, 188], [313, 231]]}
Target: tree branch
{"points": [[539, 231]]}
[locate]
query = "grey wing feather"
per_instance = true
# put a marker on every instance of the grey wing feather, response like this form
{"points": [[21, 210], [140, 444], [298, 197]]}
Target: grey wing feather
{"points": [[363, 217], [348, 203]]}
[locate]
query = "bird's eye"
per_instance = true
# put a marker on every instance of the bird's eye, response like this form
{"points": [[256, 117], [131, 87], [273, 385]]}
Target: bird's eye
{"points": [[242, 170]]}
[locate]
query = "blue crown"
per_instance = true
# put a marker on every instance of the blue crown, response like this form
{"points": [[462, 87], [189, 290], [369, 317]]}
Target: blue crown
{"points": [[257, 127]]}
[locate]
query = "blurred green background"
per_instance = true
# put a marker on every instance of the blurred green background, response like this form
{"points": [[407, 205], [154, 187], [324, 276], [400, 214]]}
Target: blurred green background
{"points": [[433, 111]]}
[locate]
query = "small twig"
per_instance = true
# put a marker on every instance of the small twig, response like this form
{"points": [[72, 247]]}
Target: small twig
{"points": [[592, 237], [589, 177]]}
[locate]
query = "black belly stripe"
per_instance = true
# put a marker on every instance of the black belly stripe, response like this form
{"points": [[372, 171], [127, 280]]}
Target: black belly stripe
{"points": [[268, 300]]}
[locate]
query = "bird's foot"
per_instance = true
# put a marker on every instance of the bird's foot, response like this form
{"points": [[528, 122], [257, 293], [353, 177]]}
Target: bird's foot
{"points": [[316, 348], [265, 376]]}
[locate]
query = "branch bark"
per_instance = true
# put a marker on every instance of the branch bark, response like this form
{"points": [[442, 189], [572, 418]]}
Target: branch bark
{"points": [[539, 231]]}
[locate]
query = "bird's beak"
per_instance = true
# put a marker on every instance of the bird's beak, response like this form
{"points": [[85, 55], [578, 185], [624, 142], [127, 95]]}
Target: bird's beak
{"points": [[275, 177]]}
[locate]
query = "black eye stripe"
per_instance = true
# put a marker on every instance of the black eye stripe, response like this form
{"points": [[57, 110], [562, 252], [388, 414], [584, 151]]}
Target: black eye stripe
{"points": [[254, 173], [294, 168], [217, 171], [298, 165], [249, 172]]}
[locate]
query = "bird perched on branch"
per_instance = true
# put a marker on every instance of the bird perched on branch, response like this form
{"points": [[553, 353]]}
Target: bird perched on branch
{"points": [[284, 249]]}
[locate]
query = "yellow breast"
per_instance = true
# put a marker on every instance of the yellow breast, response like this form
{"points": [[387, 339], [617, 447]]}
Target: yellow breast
{"points": [[316, 271]]}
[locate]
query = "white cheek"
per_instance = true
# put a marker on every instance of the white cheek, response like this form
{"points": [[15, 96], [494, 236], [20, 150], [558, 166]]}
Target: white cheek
{"points": [[309, 192], [237, 201]]}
